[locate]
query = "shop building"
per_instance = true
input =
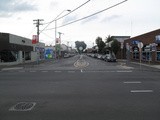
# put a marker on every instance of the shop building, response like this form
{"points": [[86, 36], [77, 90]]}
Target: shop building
{"points": [[145, 47], [15, 49]]}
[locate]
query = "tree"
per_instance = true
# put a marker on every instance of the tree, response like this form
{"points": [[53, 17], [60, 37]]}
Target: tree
{"points": [[109, 39], [100, 44], [115, 45], [80, 45]]}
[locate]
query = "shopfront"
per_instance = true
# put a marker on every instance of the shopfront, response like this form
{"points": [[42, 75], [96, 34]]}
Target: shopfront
{"points": [[15, 49], [150, 51]]}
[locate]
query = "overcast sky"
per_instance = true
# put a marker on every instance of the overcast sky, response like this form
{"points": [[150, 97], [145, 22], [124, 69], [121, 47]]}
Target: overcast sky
{"points": [[132, 18]]}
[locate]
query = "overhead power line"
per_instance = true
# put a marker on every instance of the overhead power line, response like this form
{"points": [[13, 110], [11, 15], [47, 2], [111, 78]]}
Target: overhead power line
{"points": [[89, 15], [64, 15]]}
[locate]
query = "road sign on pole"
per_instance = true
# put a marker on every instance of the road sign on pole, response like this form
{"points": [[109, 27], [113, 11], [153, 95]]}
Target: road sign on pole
{"points": [[140, 46]]}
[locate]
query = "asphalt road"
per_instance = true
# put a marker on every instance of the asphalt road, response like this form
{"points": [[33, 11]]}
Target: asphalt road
{"points": [[89, 90]]}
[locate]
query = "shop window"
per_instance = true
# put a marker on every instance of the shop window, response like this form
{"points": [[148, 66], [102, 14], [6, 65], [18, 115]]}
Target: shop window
{"points": [[147, 56], [8, 56], [136, 55], [158, 56], [27, 55]]}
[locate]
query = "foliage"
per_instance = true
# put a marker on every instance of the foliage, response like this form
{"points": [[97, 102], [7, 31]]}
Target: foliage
{"points": [[100, 45], [115, 46], [80, 44], [109, 39]]}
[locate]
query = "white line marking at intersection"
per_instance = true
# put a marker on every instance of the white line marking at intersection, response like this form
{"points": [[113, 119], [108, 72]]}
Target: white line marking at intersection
{"points": [[141, 91], [132, 82]]}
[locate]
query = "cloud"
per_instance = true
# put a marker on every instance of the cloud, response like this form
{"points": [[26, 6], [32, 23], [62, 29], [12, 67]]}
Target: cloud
{"points": [[90, 19], [69, 19], [9, 7], [53, 4], [111, 18]]}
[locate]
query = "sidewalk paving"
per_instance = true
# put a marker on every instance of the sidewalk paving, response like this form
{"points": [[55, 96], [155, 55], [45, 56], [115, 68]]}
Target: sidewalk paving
{"points": [[157, 66], [148, 65], [21, 66], [29, 65]]}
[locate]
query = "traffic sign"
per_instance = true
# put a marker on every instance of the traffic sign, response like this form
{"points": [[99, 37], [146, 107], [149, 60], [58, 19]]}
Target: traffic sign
{"points": [[140, 45], [80, 48]]}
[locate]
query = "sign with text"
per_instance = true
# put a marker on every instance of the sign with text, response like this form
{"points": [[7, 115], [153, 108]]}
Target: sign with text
{"points": [[158, 39], [35, 39], [58, 40]]}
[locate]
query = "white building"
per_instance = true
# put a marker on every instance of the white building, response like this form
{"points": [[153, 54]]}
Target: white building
{"points": [[16, 50]]}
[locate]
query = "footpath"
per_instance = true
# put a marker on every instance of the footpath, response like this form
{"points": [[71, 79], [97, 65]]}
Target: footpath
{"points": [[149, 65], [22, 66]]}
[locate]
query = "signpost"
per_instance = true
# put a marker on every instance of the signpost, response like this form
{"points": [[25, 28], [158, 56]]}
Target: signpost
{"points": [[140, 46], [128, 52], [80, 48]]}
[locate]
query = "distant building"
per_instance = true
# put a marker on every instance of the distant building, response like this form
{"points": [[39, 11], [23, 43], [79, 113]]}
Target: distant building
{"points": [[120, 54], [121, 39]]}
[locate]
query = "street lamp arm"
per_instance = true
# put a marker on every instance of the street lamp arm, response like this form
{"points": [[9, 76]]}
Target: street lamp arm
{"points": [[57, 18], [61, 14]]}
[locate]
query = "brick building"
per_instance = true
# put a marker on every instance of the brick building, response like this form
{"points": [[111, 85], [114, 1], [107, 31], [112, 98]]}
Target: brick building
{"points": [[150, 49]]}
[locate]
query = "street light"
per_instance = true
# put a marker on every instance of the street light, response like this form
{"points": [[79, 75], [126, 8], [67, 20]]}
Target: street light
{"points": [[57, 18]]}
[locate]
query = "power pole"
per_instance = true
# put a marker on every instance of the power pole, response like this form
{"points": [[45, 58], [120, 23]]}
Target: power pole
{"points": [[37, 25]]}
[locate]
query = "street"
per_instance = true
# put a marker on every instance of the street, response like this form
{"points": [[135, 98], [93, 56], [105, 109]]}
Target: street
{"points": [[80, 88]]}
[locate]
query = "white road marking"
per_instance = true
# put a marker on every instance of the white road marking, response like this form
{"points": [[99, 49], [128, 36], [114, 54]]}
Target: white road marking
{"points": [[14, 68], [100, 71], [32, 71], [141, 91], [57, 71], [44, 71], [124, 71], [132, 82], [71, 71], [22, 71]]}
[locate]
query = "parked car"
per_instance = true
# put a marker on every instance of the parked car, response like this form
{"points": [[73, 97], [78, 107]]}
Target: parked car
{"points": [[110, 58], [66, 55], [99, 56], [103, 57]]}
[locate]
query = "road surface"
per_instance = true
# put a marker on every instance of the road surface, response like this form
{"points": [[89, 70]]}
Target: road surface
{"points": [[79, 88]]}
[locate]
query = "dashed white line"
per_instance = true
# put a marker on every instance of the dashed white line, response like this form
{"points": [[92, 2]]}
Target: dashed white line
{"points": [[71, 71], [141, 91], [132, 82], [57, 71], [124, 71], [22, 71], [32, 71], [44, 71], [14, 68]]}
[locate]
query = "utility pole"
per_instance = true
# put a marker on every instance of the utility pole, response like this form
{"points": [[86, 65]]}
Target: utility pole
{"points": [[37, 25]]}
